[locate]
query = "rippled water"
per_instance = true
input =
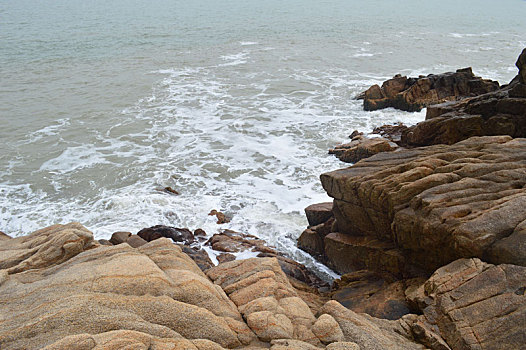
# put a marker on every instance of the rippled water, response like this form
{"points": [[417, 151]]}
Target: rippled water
{"points": [[234, 103]]}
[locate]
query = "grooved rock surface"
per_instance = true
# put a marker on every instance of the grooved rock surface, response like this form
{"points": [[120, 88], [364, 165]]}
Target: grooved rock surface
{"points": [[413, 211], [476, 305], [502, 112], [155, 289], [361, 147], [413, 94]]}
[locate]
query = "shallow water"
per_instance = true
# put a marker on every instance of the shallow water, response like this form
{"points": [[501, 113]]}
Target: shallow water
{"points": [[234, 104]]}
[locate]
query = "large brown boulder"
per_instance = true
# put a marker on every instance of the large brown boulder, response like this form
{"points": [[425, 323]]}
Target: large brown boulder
{"points": [[474, 305], [413, 94], [410, 212], [502, 112]]}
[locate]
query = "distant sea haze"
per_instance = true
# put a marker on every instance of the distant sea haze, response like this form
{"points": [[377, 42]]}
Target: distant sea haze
{"points": [[232, 103]]}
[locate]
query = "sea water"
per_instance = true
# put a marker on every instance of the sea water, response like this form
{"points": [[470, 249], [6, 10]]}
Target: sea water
{"points": [[232, 103]]}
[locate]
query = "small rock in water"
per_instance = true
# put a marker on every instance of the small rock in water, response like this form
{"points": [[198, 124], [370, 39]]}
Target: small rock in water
{"points": [[221, 218], [183, 235], [167, 189]]}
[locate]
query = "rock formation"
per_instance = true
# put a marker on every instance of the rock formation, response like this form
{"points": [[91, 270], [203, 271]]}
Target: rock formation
{"points": [[502, 112], [407, 213], [413, 94]]}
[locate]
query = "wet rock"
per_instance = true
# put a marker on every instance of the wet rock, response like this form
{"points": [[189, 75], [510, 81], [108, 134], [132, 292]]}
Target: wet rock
{"points": [[409, 212], [367, 292], [199, 256], [361, 147], [182, 235], [199, 232], [355, 133], [391, 132], [502, 112], [225, 257], [170, 190], [221, 218], [413, 94], [318, 213], [119, 237]]}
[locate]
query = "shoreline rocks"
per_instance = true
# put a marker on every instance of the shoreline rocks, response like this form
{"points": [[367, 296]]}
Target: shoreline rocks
{"points": [[413, 94]]}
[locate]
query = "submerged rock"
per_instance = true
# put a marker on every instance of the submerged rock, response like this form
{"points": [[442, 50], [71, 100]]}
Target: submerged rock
{"points": [[413, 94], [182, 235]]}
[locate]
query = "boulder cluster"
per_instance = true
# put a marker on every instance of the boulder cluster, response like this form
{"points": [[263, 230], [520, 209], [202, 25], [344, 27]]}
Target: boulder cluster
{"points": [[435, 235]]}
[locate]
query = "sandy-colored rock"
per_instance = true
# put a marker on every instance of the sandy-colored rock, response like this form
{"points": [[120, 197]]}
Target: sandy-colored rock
{"points": [[476, 305], [154, 289], [291, 344], [4, 236], [368, 332], [412, 211], [205, 344], [46, 247], [261, 304], [135, 241], [343, 346], [297, 310], [327, 329], [268, 325]]}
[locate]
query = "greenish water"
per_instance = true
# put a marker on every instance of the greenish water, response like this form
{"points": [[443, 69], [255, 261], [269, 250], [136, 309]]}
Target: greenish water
{"points": [[233, 103]]}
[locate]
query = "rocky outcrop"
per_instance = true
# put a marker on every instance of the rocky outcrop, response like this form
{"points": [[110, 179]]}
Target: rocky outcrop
{"points": [[502, 112], [410, 212], [413, 94], [472, 305], [362, 147], [94, 296], [181, 235]]}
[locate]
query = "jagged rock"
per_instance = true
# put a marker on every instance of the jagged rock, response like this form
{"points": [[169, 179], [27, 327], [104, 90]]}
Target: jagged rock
{"points": [[327, 329], [46, 247], [312, 239], [154, 289], [318, 213], [119, 237], [391, 132], [368, 332], [362, 147], [475, 305], [182, 235], [409, 212], [502, 112], [413, 94]]}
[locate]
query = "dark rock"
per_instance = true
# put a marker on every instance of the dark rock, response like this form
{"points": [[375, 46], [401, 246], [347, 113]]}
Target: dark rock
{"points": [[355, 133], [104, 242], [390, 132], [362, 147], [501, 112], [199, 232], [410, 212], [312, 239], [318, 213], [136, 241], [221, 218], [183, 235], [119, 237], [199, 256], [225, 257], [413, 94], [367, 292]]}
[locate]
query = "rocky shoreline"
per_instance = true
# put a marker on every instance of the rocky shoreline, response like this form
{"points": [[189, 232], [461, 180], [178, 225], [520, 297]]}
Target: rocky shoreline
{"points": [[428, 232]]}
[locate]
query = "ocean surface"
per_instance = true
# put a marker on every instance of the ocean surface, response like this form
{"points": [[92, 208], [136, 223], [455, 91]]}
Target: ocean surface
{"points": [[232, 103]]}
